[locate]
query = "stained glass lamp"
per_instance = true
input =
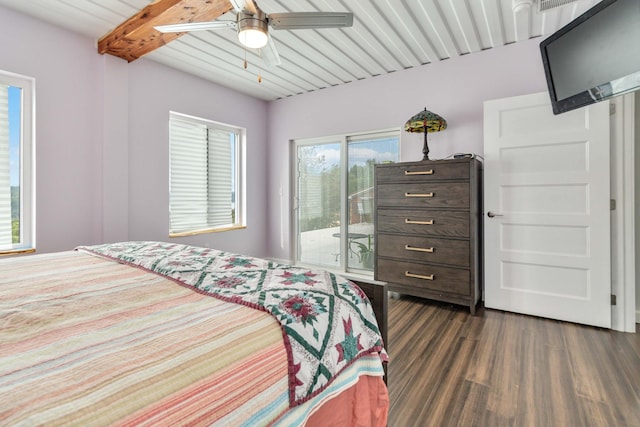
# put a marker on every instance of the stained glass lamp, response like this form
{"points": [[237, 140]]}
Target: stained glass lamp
{"points": [[427, 122]]}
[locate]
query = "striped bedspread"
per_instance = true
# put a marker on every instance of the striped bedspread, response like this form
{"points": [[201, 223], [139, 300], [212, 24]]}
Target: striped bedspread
{"points": [[327, 322], [86, 341]]}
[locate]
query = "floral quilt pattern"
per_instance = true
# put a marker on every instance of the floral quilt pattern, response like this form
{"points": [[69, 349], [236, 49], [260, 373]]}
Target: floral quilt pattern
{"points": [[327, 321]]}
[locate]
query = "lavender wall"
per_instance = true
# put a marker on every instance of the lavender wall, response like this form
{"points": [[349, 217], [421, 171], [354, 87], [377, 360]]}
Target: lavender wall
{"points": [[154, 90], [454, 88], [102, 140], [68, 123]]}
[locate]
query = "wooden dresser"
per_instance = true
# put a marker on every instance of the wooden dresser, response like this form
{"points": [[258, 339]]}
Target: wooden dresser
{"points": [[428, 229]]}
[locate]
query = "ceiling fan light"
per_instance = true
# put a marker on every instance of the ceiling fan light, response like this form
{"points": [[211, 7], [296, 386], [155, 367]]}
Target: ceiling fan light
{"points": [[255, 39], [253, 29]]}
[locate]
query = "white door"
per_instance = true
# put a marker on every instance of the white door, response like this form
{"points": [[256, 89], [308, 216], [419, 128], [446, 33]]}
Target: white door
{"points": [[546, 210]]}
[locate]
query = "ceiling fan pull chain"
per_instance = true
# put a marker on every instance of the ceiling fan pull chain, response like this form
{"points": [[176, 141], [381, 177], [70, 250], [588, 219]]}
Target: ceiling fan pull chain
{"points": [[259, 76]]}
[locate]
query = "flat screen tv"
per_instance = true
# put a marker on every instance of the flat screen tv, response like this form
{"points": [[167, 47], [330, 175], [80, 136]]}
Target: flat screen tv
{"points": [[594, 57]]}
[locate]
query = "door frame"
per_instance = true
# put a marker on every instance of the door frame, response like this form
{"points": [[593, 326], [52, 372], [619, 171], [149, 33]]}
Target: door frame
{"points": [[623, 234]]}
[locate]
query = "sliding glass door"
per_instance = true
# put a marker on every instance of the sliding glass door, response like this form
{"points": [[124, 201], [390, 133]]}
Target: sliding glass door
{"points": [[335, 198]]}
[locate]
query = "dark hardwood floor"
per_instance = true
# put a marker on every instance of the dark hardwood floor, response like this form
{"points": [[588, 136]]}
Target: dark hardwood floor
{"points": [[449, 368]]}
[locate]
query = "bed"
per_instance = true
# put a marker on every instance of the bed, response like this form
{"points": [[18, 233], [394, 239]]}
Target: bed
{"points": [[153, 333]]}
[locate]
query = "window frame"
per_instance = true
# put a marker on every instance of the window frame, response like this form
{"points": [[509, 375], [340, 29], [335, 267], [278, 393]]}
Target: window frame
{"points": [[343, 140], [239, 157], [27, 172]]}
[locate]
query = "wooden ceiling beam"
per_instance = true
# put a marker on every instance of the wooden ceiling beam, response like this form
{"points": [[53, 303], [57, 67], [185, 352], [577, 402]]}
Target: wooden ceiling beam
{"points": [[137, 36]]}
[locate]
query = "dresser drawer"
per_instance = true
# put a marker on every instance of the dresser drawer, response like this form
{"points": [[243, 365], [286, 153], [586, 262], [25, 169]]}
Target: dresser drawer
{"points": [[424, 222], [423, 276], [424, 249], [420, 172], [429, 195]]}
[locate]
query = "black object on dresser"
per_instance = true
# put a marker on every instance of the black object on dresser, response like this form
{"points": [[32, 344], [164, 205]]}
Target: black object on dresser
{"points": [[428, 229]]}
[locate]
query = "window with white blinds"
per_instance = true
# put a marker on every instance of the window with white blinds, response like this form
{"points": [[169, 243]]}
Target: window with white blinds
{"points": [[206, 175], [17, 186], [5, 185]]}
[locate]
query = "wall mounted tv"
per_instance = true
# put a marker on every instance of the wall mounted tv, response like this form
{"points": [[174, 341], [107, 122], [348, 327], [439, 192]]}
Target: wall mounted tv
{"points": [[594, 57]]}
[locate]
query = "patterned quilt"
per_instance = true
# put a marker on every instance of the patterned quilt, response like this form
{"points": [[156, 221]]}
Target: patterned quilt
{"points": [[327, 322]]}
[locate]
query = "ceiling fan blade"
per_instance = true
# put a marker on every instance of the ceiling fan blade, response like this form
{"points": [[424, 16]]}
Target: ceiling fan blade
{"points": [[242, 5], [307, 20], [195, 26], [270, 54]]}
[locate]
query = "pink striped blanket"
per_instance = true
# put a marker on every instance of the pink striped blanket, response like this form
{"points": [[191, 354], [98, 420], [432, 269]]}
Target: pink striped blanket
{"points": [[86, 341], [327, 321]]}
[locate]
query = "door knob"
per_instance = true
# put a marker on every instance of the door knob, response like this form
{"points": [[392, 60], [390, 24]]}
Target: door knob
{"points": [[491, 214]]}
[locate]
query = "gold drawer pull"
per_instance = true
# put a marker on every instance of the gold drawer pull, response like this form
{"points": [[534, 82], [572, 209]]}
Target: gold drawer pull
{"points": [[419, 276], [418, 194], [429, 172], [410, 221], [417, 249]]}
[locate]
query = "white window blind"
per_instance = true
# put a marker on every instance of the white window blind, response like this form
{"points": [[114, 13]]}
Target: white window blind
{"points": [[17, 168], [204, 175], [5, 184], [220, 178]]}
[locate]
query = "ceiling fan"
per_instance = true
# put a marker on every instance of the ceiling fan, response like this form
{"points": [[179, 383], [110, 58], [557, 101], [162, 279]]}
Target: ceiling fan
{"points": [[253, 24]]}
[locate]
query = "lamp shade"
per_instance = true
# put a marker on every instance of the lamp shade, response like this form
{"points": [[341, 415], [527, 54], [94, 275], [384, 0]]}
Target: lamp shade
{"points": [[425, 121]]}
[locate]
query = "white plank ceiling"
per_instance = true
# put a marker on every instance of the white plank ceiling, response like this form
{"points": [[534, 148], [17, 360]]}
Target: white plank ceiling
{"points": [[387, 36]]}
